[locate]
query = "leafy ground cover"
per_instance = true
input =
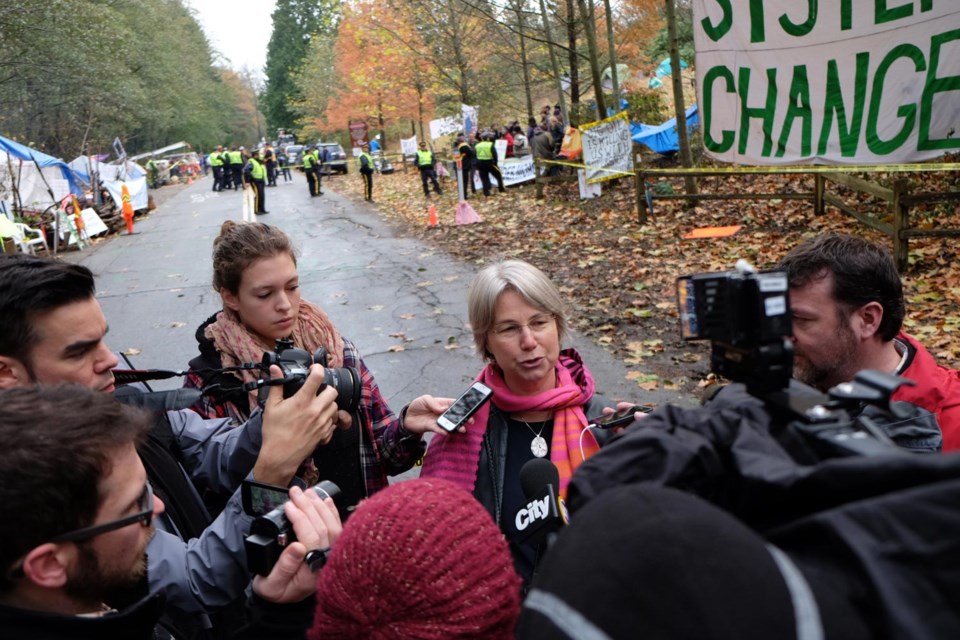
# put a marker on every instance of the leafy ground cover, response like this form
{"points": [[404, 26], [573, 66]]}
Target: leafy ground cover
{"points": [[619, 277]]}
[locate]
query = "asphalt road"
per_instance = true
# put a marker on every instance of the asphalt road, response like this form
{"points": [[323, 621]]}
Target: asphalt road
{"points": [[403, 303]]}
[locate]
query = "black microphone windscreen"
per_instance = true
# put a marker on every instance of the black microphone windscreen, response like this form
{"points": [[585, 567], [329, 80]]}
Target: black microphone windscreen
{"points": [[536, 474]]}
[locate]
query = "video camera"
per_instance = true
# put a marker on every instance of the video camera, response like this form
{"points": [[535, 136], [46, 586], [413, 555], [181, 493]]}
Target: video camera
{"points": [[272, 532], [295, 366], [746, 316]]}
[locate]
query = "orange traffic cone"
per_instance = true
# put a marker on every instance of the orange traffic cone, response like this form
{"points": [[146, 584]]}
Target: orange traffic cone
{"points": [[432, 220], [127, 208]]}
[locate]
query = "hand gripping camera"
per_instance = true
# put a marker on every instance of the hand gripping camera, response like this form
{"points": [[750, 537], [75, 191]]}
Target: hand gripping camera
{"points": [[295, 365], [271, 533]]}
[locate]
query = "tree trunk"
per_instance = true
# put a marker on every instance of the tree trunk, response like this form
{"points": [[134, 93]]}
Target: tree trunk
{"points": [[523, 61], [686, 155], [553, 61], [573, 58], [613, 56], [591, 34]]}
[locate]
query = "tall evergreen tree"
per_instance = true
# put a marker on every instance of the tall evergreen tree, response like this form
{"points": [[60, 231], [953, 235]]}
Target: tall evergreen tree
{"points": [[295, 23]]}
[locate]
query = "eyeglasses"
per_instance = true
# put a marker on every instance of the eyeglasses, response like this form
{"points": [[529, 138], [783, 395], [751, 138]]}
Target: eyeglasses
{"points": [[144, 517], [512, 330]]}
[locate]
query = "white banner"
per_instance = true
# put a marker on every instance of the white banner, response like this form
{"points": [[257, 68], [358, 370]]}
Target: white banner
{"points": [[408, 146], [444, 126], [849, 82], [513, 170], [469, 115], [607, 148]]}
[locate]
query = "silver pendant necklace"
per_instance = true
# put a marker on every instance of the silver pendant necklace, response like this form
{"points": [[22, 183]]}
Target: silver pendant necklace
{"points": [[539, 444]]}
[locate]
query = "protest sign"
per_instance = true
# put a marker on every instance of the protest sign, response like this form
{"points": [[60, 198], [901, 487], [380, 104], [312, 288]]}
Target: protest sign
{"points": [[444, 126], [469, 115], [607, 148], [408, 146], [513, 170], [501, 147], [846, 82]]}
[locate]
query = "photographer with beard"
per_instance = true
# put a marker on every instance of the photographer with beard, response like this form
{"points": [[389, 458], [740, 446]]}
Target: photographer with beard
{"points": [[73, 560]]}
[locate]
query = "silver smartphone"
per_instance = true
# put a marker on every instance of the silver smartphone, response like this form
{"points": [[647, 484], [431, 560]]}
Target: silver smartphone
{"points": [[465, 406]]}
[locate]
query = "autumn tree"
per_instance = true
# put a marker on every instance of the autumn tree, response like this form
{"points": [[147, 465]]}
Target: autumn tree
{"points": [[381, 74]]}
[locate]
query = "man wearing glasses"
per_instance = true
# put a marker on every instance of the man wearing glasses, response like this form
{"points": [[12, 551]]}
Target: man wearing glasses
{"points": [[52, 331], [73, 560]]}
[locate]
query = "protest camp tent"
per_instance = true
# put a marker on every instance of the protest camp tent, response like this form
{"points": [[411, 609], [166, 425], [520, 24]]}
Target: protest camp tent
{"points": [[112, 177], [28, 176], [663, 138]]}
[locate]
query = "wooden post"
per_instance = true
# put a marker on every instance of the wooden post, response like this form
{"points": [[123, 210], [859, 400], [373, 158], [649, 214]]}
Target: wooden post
{"points": [[818, 184], [900, 215], [537, 181], [641, 188]]}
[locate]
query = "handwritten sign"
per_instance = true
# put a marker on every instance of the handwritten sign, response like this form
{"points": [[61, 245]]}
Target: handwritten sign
{"points": [[513, 170], [607, 148], [408, 146], [444, 126]]}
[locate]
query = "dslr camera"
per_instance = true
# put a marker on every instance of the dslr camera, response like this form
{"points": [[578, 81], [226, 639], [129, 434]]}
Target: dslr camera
{"points": [[295, 366], [746, 316], [272, 532]]}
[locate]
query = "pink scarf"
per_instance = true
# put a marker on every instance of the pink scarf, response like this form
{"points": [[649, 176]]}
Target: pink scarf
{"points": [[455, 457]]}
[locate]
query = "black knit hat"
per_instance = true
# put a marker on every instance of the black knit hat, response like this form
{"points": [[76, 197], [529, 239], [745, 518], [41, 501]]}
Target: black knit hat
{"points": [[642, 561]]}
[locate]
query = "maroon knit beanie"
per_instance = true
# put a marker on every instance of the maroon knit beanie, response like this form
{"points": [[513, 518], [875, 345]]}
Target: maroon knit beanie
{"points": [[421, 559]]}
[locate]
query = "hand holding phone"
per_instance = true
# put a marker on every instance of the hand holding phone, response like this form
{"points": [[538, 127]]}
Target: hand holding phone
{"points": [[465, 406], [619, 418]]}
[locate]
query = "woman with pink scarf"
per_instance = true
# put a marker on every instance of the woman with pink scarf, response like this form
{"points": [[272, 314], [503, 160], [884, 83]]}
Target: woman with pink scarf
{"points": [[542, 396]]}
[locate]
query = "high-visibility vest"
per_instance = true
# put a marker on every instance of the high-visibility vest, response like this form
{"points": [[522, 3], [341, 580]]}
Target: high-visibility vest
{"points": [[424, 158], [308, 160], [485, 150], [360, 158], [235, 157], [216, 160], [257, 170]]}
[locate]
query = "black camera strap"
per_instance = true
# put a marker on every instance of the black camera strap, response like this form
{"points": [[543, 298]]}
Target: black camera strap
{"points": [[339, 461]]}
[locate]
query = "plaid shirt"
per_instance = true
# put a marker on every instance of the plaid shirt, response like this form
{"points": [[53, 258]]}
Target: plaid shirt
{"points": [[385, 448]]}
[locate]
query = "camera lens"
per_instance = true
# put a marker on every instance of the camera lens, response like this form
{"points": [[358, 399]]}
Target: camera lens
{"points": [[347, 383]]}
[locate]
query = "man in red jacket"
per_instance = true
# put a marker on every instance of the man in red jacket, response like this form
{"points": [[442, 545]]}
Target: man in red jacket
{"points": [[847, 304]]}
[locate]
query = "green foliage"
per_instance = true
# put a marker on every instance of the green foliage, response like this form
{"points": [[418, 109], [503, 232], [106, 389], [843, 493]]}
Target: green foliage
{"points": [[75, 74], [647, 106], [659, 47], [295, 24]]}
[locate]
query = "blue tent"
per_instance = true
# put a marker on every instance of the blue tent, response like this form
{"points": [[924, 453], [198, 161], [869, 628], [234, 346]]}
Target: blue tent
{"points": [[663, 138], [28, 155]]}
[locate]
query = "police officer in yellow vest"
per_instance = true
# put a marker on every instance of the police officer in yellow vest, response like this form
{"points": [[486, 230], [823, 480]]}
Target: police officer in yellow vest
{"points": [[256, 175], [235, 162], [312, 171], [366, 166], [487, 163], [425, 164], [216, 161]]}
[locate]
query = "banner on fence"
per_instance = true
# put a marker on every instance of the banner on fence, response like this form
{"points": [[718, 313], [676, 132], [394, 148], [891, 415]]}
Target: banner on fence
{"points": [[607, 148], [851, 82], [408, 146], [513, 170], [444, 126]]}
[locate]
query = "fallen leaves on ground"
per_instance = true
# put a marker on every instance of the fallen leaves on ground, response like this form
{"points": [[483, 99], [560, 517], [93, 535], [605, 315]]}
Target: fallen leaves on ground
{"points": [[618, 277]]}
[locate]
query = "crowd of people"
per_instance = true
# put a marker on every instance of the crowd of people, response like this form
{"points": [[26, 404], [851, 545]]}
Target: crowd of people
{"points": [[122, 512]]}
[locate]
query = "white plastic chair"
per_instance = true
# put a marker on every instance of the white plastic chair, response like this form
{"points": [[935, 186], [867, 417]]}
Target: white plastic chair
{"points": [[30, 238]]}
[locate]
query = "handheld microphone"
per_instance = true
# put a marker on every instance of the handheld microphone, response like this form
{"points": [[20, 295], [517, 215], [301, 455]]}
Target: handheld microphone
{"points": [[544, 513]]}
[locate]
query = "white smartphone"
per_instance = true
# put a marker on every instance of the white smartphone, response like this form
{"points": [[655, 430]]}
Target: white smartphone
{"points": [[465, 406]]}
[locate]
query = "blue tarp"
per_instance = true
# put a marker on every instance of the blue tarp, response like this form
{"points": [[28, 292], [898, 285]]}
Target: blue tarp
{"points": [[27, 154], [663, 138]]}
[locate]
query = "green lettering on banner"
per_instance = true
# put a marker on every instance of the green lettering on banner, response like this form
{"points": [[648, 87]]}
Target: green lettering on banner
{"points": [[846, 15], [799, 108], [926, 5], [906, 111], [933, 86], [717, 32], [728, 136], [805, 28], [885, 14], [765, 112], [757, 28], [833, 104]]}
